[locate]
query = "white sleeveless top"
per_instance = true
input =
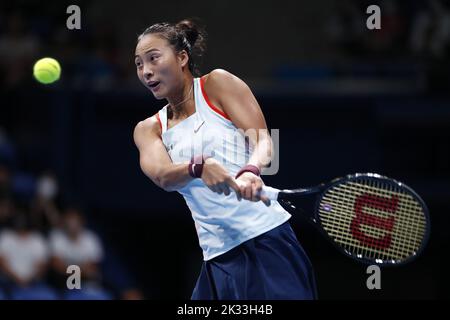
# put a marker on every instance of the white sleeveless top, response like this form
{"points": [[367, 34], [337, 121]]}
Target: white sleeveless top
{"points": [[222, 222]]}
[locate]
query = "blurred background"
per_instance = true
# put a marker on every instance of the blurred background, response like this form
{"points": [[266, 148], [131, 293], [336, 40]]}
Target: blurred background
{"points": [[346, 99]]}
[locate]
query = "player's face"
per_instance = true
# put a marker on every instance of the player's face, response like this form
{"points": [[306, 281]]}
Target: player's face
{"points": [[158, 67]]}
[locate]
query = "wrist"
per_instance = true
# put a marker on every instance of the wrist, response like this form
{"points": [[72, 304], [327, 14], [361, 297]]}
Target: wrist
{"points": [[196, 165], [249, 168]]}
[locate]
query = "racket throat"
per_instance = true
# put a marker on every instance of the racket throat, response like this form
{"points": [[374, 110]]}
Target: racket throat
{"points": [[295, 193]]}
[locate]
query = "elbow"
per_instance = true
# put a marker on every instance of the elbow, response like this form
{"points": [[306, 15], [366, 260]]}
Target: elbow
{"points": [[160, 176], [157, 177], [161, 182], [266, 156], [164, 183]]}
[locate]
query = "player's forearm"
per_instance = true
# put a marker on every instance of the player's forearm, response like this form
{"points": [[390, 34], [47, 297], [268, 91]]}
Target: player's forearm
{"points": [[262, 152], [172, 177]]}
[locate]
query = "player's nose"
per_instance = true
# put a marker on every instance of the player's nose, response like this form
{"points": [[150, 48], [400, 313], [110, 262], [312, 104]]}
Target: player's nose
{"points": [[147, 72]]}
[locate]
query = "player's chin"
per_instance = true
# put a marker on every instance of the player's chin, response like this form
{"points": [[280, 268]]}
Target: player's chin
{"points": [[158, 95]]}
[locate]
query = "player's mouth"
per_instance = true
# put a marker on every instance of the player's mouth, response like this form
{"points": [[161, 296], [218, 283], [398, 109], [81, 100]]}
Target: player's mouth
{"points": [[153, 85]]}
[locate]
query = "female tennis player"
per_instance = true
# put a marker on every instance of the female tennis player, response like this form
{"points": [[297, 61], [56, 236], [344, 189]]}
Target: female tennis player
{"points": [[193, 146]]}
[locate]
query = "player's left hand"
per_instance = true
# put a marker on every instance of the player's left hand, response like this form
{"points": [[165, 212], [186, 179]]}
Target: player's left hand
{"points": [[251, 186]]}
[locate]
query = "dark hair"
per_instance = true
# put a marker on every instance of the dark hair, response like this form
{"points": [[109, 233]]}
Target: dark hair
{"points": [[22, 220], [73, 207], [184, 35]]}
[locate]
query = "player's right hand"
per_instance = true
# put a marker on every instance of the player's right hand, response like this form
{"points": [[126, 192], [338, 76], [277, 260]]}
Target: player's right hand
{"points": [[217, 178], [251, 186]]}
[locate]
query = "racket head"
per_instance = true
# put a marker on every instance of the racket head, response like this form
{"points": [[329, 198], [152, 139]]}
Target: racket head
{"points": [[374, 219]]}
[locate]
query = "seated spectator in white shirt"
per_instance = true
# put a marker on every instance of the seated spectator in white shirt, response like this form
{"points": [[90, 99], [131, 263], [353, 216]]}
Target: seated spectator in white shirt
{"points": [[73, 244], [24, 260]]}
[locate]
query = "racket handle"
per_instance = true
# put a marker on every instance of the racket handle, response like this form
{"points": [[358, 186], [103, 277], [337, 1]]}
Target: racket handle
{"points": [[269, 192]]}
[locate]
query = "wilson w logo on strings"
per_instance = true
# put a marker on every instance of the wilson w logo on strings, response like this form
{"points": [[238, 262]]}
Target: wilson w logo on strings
{"points": [[362, 217]]}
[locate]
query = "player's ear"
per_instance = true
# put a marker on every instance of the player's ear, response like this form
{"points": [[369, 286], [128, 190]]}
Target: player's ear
{"points": [[183, 58]]}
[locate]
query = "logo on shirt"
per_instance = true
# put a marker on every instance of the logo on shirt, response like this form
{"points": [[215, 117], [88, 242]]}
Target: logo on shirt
{"points": [[199, 126]]}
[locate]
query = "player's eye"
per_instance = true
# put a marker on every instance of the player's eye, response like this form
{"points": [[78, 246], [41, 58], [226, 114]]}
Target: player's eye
{"points": [[138, 64]]}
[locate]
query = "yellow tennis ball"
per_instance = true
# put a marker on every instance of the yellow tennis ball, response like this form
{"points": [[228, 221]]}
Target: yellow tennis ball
{"points": [[47, 70]]}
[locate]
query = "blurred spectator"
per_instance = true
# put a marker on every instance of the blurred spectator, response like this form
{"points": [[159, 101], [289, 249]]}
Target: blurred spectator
{"points": [[5, 181], [18, 49], [73, 244], [98, 66], [6, 206], [346, 27], [430, 39], [24, 261], [23, 186], [5, 197], [6, 210], [44, 210], [389, 39], [348, 31], [7, 151], [430, 34]]}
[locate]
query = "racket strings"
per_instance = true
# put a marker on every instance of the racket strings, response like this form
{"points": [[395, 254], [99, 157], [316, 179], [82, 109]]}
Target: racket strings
{"points": [[347, 218], [374, 240], [407, 227], [390, 224], [412, 220]]}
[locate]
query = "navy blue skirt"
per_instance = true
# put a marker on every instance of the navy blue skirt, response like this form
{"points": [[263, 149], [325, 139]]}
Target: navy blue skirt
{"points": [[269, 267]]}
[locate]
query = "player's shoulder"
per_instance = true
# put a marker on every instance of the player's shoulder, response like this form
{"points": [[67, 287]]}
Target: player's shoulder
{"points": [[218, 76], [149, 126], [220, 80]]}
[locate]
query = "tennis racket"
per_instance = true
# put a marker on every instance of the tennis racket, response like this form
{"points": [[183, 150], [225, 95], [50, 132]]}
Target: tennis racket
{"points": [[369, 217]]}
